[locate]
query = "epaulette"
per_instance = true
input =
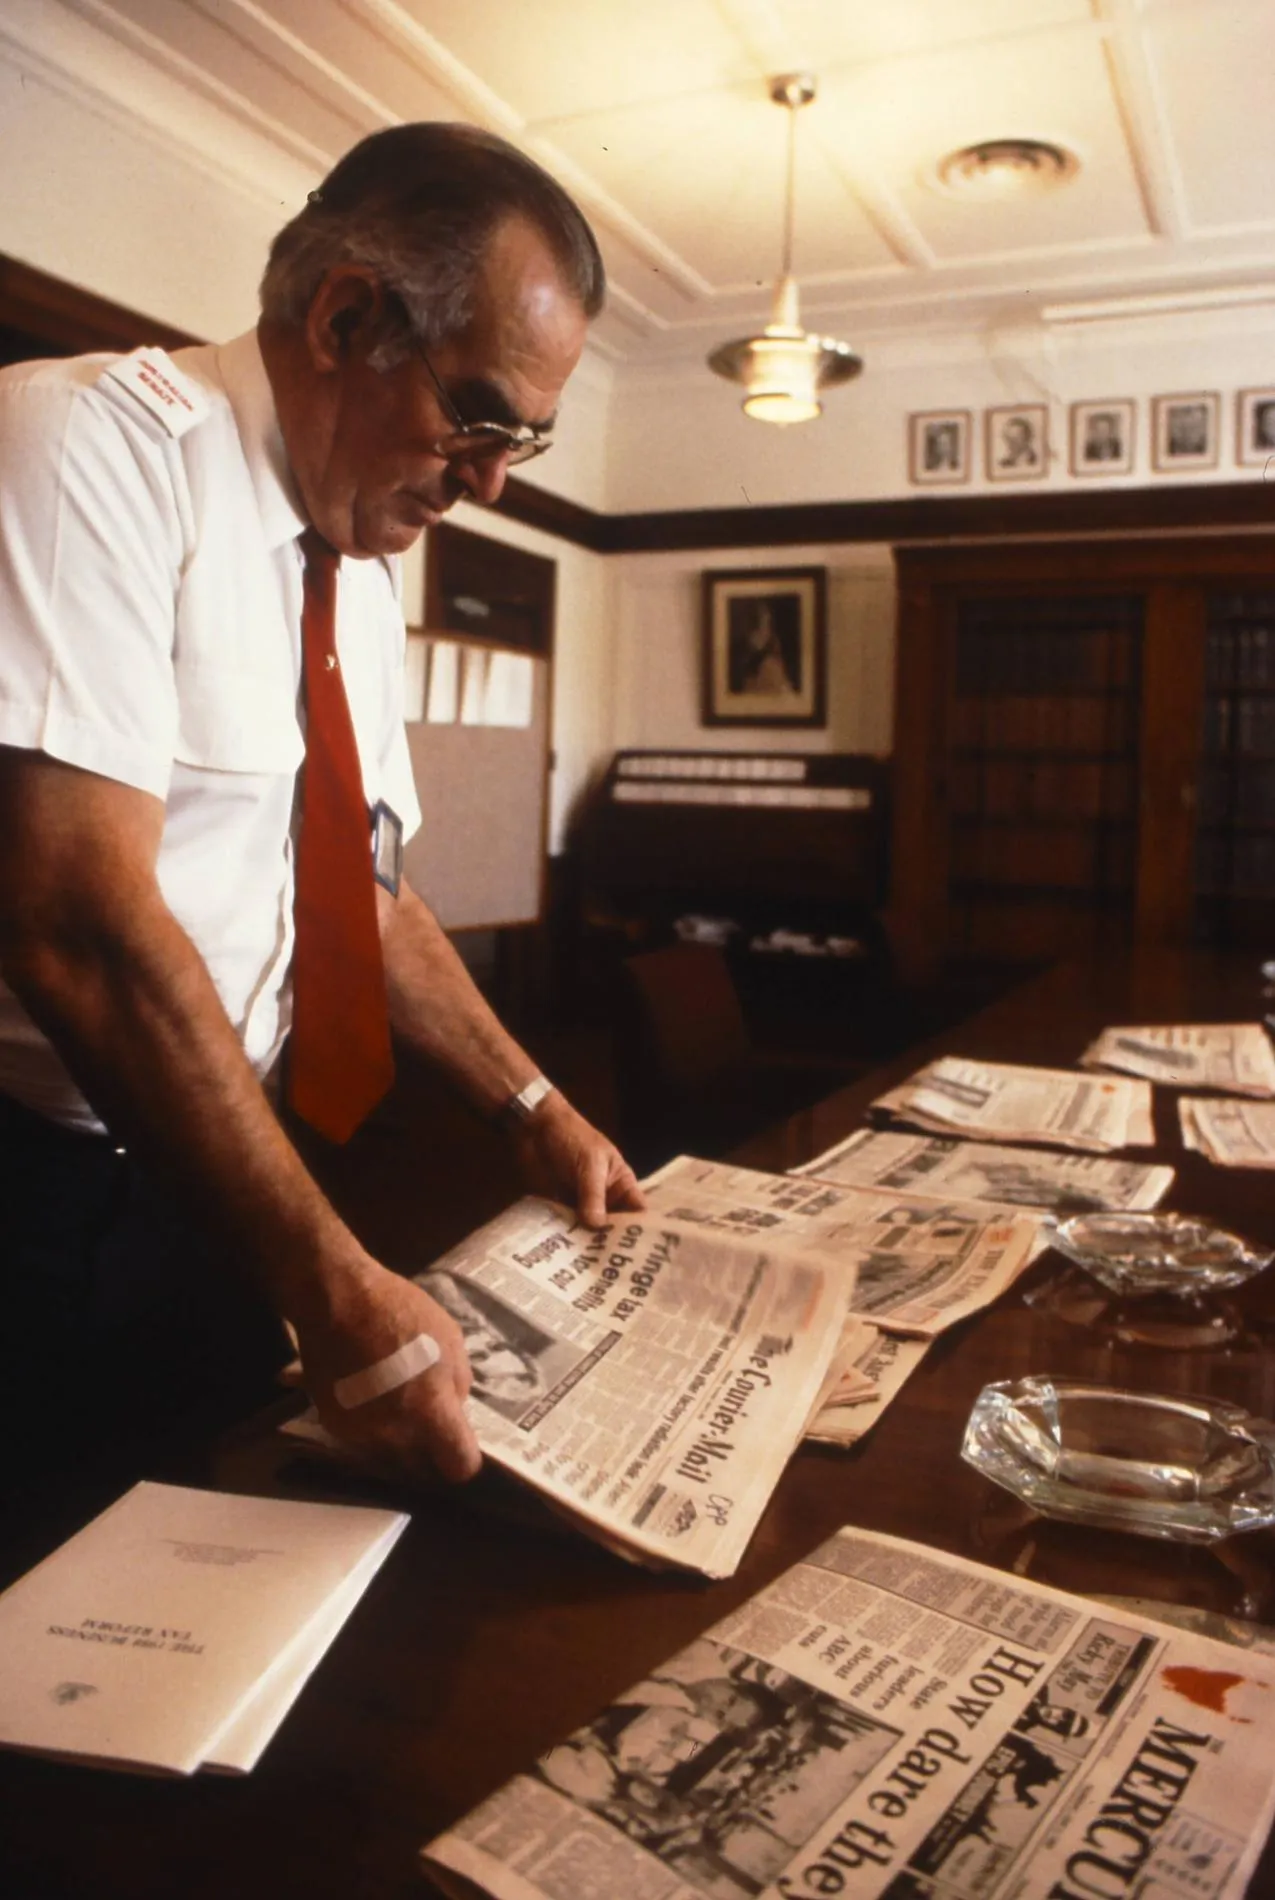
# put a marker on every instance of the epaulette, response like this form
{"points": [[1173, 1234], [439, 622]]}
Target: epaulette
{"points": [[151, 378]]}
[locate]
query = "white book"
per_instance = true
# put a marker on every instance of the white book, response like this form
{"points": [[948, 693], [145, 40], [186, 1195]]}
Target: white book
{"points": [[243, 1742], [171, 1618]]}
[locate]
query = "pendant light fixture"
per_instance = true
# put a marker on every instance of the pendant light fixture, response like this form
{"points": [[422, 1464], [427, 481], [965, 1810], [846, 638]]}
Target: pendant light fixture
{"points": [[784, 368]]}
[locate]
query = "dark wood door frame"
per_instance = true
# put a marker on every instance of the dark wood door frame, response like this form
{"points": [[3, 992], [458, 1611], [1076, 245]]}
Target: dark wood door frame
{"points": [[1173, 576]]}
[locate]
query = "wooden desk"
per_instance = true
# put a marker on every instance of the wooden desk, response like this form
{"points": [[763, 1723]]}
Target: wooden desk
{"points": [[491, 1632]]}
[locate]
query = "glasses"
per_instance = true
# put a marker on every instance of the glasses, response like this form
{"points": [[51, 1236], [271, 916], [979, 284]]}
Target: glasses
{"points": [[483, 440]]}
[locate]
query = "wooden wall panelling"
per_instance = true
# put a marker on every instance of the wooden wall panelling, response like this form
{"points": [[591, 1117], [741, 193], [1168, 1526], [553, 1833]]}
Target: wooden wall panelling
{"points": [[1148, 897], [1170, 737], [43, 316], [917, 914]]}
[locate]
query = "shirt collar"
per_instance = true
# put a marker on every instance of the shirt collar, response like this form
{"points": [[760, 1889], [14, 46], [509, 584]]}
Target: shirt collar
{"points": [[243, 373]]}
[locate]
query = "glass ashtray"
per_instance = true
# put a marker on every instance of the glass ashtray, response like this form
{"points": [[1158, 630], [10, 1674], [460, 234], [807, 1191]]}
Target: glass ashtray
{"points": [[1191, 1469], [1134, 1254]]}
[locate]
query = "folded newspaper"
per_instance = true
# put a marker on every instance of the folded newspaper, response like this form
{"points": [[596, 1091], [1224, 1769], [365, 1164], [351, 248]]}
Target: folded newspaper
{"points": [[1233, 1134], [919, 1265], [998, 1101], [869, 1368], [941, 1167], [891, 1720], [651, 1379], [1234, 1057]]}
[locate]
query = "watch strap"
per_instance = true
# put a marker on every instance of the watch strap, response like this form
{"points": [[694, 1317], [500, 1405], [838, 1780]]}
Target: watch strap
{"points": [[523, 1104]]}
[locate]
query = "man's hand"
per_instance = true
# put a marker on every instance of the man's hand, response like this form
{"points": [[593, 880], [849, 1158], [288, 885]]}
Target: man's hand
{"points": [[420, 1426], [564, 1156]]}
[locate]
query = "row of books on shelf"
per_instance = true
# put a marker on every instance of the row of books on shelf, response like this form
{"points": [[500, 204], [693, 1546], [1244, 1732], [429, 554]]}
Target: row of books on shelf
{"points": [[1238, 792], [1239, 725], [1241, 656], [1235, 861]]}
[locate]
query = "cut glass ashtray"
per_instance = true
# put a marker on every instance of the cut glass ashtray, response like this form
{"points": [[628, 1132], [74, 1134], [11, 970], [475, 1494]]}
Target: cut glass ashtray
{"points": [[1191, 1469], [1135, 1254]]}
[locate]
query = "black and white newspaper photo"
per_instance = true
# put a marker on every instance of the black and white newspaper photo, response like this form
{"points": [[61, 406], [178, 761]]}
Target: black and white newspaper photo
{"points": [[1236, 1058], [917, 1265], [942, 1168], [888, 1720], [1232, 1134], [1002, 1101]]}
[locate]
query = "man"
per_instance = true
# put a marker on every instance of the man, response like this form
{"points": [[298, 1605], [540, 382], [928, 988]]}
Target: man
{"points": [[167, 527], [1103, 439], [1018, 444], [941, 449]]}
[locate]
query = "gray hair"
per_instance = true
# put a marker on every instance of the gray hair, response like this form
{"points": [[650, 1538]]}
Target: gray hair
{"points": [[417, 205]]}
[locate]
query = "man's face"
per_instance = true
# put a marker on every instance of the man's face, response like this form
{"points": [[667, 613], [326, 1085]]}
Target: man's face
{"points": [[369, 471]]}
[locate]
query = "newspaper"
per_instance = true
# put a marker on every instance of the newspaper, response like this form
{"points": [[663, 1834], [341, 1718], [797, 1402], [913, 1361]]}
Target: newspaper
{"points": [[1234, 1057], [919, 1265], [890, 1720], [937, 1165], [649, 1378], [1233, 1134], [997, 1101], [869, 1368]]}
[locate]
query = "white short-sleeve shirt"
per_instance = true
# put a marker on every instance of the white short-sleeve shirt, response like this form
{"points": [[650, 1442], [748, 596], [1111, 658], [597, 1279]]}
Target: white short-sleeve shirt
{"points": [[150, 631]]}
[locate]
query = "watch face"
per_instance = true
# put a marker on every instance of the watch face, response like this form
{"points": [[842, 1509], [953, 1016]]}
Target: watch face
{"points": [[387, 846], [524, 1104]]}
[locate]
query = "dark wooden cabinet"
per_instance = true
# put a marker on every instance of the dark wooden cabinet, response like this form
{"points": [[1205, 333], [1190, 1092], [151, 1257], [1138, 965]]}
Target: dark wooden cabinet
{"points": [[1084, 747]]}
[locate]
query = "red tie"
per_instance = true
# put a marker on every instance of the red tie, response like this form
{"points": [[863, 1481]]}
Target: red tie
{"points": [[339, 1058]]}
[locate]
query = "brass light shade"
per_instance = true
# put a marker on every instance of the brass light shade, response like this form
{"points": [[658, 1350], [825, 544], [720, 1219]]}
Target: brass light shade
{"points": [[784, 368]]}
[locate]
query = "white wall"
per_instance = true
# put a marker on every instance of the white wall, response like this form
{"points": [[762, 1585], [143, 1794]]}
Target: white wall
{"points": [[680, 440], [90, 196], [658, 622]]}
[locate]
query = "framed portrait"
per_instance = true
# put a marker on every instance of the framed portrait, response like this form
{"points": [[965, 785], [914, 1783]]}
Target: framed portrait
{"points": [[1184, 432], [1102, 437], [765, 658], [939, 447], [1016, 444], [1255, 427]]}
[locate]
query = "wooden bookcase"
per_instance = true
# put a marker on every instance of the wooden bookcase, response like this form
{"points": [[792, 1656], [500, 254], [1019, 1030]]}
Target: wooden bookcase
{"points": [[1084, 747]]}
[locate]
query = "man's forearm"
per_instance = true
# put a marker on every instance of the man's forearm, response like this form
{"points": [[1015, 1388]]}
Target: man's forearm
{"points": [[135, 1015], [436, 1006]]}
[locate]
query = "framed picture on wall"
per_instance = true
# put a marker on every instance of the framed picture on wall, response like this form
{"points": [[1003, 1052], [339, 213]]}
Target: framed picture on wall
{"points": [[764, 659], [1102, 437], [1184, 432], [939, 447], [1255, 428], [1016, 448]]}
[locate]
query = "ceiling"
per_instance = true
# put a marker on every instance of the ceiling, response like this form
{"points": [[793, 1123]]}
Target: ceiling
{"points": [[656, 114]]}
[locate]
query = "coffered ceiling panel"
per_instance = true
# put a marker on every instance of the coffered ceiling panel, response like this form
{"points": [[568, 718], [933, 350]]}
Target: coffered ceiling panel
{"points": [[1214, 62], [556, 59], [861, 33], [898, 120], [656, 114], [718, 171]]}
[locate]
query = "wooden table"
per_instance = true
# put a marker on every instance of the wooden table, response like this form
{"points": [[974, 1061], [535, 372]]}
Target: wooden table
{"points": [[492, 1632]]}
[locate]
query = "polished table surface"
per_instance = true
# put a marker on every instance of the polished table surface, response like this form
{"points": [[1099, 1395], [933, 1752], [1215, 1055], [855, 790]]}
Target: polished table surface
{"points": [[492, 1631]]}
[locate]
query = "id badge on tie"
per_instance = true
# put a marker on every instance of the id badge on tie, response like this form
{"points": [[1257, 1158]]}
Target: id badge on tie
{"points": [[387, 846]]}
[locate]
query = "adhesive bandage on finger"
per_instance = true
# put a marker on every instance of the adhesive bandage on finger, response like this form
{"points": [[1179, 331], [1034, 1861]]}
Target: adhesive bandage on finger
{"points": [[357, 1388]]}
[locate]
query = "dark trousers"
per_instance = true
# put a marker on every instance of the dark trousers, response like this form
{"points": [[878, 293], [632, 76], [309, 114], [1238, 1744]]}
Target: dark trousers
{"points": [[122, 1322]]}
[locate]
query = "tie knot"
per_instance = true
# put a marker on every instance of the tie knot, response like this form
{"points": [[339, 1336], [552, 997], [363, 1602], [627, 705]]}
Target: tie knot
{"points": [[319, 555]]}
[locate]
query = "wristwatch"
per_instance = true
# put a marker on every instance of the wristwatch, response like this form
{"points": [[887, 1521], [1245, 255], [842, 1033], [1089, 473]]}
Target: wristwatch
{"points": [[522, 1105]]}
